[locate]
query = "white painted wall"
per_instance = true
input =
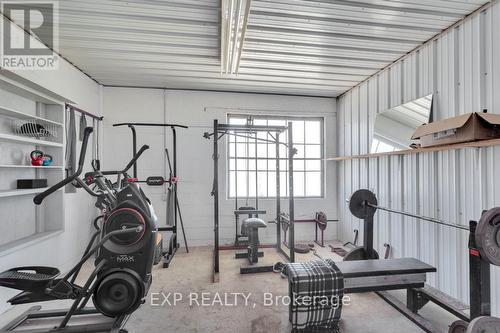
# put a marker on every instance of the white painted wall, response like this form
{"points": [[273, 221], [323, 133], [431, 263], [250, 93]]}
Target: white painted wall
{"points": [[64, 250], [462, 69], [195, 165]]}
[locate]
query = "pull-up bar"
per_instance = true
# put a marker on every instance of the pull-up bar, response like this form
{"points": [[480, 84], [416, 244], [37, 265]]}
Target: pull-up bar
{"points": [[150, 124], [173, 175]]}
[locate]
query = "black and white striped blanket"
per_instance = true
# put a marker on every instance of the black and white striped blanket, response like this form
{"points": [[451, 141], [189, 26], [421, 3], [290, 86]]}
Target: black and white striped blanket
{"points": [[316, 290]]}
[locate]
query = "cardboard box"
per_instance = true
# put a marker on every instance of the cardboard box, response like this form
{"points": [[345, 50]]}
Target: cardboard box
{"points": [[465, 128]]}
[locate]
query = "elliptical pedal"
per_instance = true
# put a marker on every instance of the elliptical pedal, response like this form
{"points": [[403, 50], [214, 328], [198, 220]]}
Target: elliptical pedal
{"points": [[28, 278]]}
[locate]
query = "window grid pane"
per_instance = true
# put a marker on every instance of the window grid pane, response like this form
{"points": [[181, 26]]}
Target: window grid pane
{"points": [[308, 162]]}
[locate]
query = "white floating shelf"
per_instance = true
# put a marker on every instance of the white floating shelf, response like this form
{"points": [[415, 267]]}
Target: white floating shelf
{"points": [[22, 139], [18, 192], [54, 167], [21, 115]]}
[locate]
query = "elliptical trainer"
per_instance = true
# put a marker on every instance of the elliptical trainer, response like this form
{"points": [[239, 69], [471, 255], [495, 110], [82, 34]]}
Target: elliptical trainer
{"points": [[122, 274]]}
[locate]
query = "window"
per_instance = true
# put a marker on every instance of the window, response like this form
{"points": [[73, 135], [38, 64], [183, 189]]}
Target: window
{"points": [[252, 163]]}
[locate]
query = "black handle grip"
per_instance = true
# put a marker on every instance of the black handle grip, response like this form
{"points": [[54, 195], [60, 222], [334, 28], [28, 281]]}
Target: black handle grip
{"points": [[86, 135], [135, 158]]}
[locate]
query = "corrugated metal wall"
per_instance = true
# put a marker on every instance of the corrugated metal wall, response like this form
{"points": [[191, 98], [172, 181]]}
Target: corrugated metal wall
{"points": [[462, 69]]}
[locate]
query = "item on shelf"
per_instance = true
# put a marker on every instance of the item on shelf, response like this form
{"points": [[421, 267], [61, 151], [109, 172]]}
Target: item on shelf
{"points": [[38, 158], [465, 128], [35, 128], [31, 183], [47, 160]]}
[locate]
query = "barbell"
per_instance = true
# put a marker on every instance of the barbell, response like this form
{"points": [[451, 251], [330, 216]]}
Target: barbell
{"points": [[363, 204]]}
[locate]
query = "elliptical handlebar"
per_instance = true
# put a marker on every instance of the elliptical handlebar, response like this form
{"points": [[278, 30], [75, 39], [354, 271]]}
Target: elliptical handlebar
{"points": [[40, 197]]}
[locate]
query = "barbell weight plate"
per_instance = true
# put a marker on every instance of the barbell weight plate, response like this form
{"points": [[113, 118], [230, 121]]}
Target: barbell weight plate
{"points": [[459, 326], [488, 236], [301, 248], [358, 206], [359, 253], [322, 219], [484, 325]]}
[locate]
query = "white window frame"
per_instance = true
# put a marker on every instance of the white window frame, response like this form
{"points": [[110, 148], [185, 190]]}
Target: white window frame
{"points": [[283, 158]]}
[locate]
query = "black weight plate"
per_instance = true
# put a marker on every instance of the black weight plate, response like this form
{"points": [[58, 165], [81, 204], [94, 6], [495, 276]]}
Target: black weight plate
{"points": [[322, 219], [360, 253], [459, 326], [484, 325], [358, 206], [488, 236], [301, 248]]}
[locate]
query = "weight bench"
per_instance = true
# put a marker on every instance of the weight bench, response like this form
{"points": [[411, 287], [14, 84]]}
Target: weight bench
{"points": [[378, 275], [356, 277]]}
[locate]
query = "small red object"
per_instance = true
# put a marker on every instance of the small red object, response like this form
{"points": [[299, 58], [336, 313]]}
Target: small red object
{"points": [[36, 158], [132, 180], [89, 180], [174, 180], [475, 252]]}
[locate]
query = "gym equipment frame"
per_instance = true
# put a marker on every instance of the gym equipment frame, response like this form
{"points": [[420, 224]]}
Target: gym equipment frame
{"points": [[219, 131], [177, 215], [484, 250], [41, 283]]}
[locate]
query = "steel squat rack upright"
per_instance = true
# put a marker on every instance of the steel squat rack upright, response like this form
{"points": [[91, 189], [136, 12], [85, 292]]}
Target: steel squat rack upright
{"points": [[250, 131]]}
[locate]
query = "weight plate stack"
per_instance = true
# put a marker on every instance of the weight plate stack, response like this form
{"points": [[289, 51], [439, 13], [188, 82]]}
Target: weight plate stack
{"points": [[484, 325], [488, 236], [459, 326]]}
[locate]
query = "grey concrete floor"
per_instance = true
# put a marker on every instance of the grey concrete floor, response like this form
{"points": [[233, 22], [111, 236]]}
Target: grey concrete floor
{"points": [[190, 277], [191, 273]]}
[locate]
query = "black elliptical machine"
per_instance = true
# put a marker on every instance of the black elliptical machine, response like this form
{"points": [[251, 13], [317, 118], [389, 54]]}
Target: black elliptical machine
{"points": [[119, 283]]}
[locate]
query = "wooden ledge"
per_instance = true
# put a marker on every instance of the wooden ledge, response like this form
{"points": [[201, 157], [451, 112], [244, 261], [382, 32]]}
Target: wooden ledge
{"points": [[474, 144]]}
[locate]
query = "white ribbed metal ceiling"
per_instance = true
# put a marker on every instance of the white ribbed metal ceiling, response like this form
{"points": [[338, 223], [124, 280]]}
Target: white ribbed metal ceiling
{"points": [[301, 47]]}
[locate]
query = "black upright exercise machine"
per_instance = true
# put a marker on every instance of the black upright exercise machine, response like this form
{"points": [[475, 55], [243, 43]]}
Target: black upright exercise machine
{"points": [[124, 247], [484, 251], [251, 225], [173, 210]]}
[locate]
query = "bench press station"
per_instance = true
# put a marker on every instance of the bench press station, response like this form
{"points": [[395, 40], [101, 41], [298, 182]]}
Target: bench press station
{"points": [[373, 275], [381, 275]]}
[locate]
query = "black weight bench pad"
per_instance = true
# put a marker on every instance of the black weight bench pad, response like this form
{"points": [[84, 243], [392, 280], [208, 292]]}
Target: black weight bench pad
{"points": [[384, 274], [359, 268]]}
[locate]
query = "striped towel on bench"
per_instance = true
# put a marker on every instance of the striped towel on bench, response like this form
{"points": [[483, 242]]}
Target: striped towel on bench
{"points": [[316, 290]]}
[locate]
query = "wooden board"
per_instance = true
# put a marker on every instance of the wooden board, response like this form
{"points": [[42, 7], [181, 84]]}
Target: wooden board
{"points": [[475, 144]]}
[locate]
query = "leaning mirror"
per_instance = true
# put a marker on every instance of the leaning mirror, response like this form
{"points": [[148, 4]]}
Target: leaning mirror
{"points": [[395, 127]]}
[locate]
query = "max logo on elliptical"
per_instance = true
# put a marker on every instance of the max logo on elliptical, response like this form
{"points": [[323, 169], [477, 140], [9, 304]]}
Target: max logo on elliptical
{"points": [[125, 258]]}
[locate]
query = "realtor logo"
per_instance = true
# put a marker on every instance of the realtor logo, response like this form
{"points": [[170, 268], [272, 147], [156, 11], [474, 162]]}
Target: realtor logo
{"points": [[30, 35]]}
